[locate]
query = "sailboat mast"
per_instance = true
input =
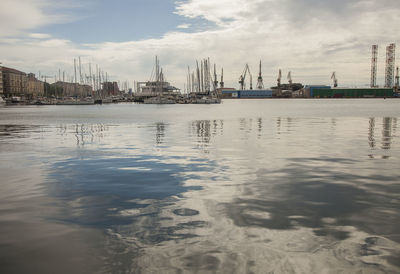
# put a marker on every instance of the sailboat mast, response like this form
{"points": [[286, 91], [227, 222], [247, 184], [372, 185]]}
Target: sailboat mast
{"points": [[198, 77], [75, 69], [202, 77], [90, 75], [80, 71]]}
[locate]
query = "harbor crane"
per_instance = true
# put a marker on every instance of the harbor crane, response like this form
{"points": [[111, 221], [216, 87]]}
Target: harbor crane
{"points": [[289, 77], [260, 84], [222, 78], [45, 77], [215, 78], [333, 77], [242, 78], [279, 78]]}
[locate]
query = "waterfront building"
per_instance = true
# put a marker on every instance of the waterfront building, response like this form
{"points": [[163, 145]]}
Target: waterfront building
{"points": [[34, 87], [14, 82], [111, 89], [67, 89], [157, 87]]}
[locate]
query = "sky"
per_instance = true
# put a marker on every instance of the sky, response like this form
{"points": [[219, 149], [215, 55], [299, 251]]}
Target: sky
{"points": [[310, 38]]}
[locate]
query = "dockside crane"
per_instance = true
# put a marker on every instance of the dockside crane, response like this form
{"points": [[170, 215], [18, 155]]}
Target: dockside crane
{"points": [[333, 77], [260, 84], [289, 77], [242, 78], [221, 84], [279, 78], [215, 78]]}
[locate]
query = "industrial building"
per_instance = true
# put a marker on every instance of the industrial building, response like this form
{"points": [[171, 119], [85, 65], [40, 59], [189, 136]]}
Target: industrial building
{"points": [[258, 93], [351, 92], [308, 90], [226, 93], [246, 93]]}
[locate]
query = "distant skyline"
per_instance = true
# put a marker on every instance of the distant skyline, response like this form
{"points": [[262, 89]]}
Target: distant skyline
{"points": [[310, 38]]}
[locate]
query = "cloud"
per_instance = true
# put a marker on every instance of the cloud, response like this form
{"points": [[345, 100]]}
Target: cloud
{"points": [[184, 26], [308, 37], [19, 16], [39, 35]]}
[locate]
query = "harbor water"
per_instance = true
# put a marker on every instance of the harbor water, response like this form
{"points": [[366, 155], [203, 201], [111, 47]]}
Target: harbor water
{"points": [[246, 186]]}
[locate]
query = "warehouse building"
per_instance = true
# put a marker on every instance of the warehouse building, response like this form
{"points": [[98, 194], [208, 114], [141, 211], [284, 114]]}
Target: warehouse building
{"points": [[351, 92], [255, 93], [230, 93]]}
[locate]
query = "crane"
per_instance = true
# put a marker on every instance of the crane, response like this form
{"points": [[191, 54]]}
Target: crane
{"points": [[289, 77], [260, 84], [279, 78], [222, 78], [242, 78], [215, 78], [333, 77]]}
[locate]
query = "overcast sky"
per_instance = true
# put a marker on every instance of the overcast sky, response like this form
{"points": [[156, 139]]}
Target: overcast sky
{"points": [[310, 38]]}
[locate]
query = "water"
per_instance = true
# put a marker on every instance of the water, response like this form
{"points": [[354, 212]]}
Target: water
{"points": [[249, 186]]}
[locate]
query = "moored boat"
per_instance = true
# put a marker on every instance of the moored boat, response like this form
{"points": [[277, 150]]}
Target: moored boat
{"points": [[73, 101], [159, 100]]}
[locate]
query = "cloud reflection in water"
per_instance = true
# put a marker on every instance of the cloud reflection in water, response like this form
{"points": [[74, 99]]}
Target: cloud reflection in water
{"points": [[240, 194]]}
